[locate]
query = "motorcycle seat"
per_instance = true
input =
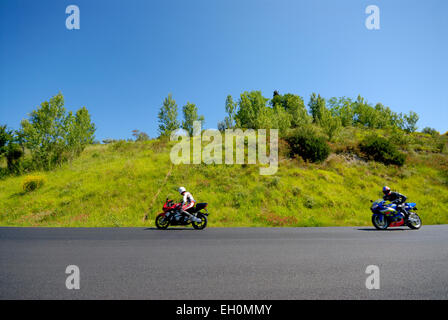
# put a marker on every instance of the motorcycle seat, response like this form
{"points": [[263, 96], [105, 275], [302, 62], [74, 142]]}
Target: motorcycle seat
{"points": [[200, 206]]}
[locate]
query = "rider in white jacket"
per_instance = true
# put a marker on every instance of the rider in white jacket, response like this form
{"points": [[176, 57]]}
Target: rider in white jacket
{"points": [[187, 203]]}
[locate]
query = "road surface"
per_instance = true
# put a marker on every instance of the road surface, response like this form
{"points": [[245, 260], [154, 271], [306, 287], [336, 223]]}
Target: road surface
{"points": [[224, 263]]}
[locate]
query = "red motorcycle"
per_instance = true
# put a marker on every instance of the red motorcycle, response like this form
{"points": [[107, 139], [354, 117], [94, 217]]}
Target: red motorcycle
{"points": [[172, 216]]}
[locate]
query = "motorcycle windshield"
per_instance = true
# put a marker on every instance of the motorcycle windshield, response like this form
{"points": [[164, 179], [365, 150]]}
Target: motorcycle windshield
{"points": [[377, 203]]}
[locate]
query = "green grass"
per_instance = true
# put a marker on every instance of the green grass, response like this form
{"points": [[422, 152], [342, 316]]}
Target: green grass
{"points": [[116, 185]]}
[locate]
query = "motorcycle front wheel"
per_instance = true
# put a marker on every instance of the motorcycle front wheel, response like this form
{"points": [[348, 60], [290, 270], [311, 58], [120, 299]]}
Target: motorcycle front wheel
{"points": [[200, 225], [380, 221], [414, 221], [162, 222]]}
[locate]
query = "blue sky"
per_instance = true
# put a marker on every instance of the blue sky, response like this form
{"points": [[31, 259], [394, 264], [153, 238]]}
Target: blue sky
{"points": [[128, 55]]}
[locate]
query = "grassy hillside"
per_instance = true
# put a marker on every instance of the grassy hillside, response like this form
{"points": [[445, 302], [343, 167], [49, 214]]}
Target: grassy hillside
{"points": [[117, 184]]}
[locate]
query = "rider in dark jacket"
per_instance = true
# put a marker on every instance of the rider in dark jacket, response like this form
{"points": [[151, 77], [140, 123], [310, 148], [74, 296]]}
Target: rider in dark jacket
{"points": [[394, 197]]}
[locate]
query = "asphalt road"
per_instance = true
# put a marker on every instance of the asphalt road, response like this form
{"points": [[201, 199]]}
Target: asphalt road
{"points": [[224, 263]]}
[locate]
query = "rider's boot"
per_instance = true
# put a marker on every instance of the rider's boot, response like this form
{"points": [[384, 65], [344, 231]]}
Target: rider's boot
{"points": [[404, 213]]}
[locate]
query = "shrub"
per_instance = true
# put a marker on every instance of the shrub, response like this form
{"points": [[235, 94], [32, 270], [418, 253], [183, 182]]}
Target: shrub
{"points": [[3, 173], [330, 124], [31, 183], [121, 146], [273, 183], [309, 202], [13, 158], [441, 146], [296, 191], [381, 150], [305, 143], [431, 131], [400, 138]]}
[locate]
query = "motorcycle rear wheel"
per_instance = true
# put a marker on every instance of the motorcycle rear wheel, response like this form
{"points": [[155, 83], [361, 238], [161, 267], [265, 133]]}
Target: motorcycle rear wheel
{"points": [[378, 223], [200, 225], [161, 222]]}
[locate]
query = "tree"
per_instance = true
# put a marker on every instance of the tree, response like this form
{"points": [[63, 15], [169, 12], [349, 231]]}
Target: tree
{"points": [[140, 135], [316, 105], [431, 131], [397, 120], [377, 117], [231, 108], [80, 131], [53, 136], [168, 116], [45, 132], [229, 121], [14, 155], [281, 119], [250, 105], [222, 126], [294, 105], [10, 149], [190, 112], [410, 122], [273, 118], [143, 136], [265, 119], [329, 123], [385, 116], [364, 114], [5, 139], [343, 109]]}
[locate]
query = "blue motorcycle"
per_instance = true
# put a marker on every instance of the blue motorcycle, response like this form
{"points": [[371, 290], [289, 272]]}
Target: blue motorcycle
{"points": [[387, 215]]}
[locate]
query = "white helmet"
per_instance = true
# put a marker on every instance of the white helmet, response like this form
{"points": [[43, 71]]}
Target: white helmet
{"points": [[182, 190]]}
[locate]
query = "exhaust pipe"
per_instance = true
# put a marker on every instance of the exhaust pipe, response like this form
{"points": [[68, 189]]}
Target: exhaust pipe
{"points": [[192, 217]]}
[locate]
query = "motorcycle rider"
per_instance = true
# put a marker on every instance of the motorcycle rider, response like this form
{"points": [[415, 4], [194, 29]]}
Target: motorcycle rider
{"points": [[187, 203], [396, 198]]}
